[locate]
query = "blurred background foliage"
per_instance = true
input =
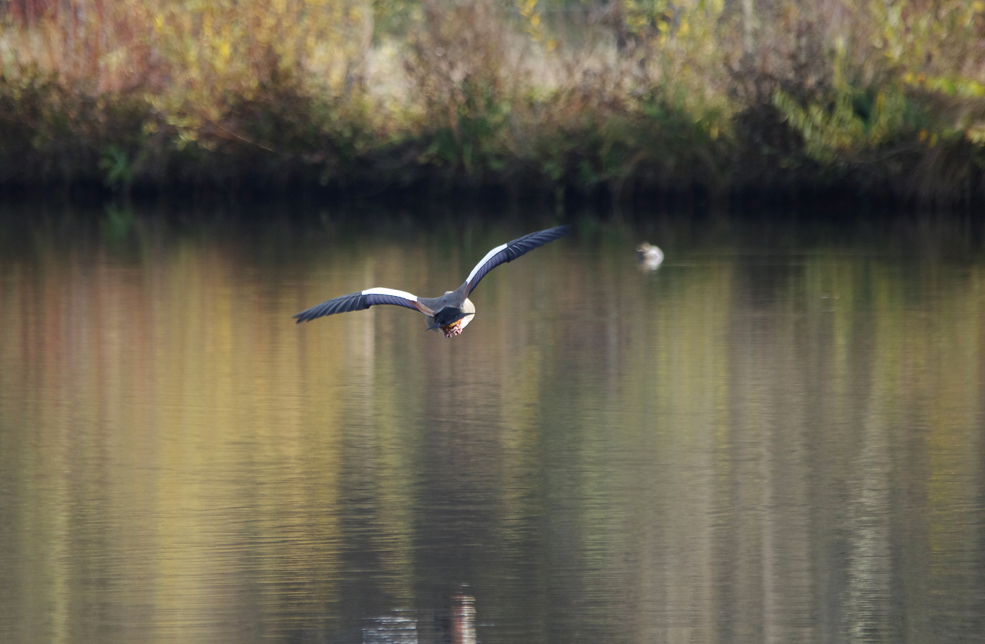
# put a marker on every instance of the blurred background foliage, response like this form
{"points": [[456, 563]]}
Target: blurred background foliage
{"points": [[552, 95]]}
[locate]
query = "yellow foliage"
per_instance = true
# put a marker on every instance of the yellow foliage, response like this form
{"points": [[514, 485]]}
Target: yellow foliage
{"points": [[531, 15], [468, 67], [219, 49], [830, 131]]}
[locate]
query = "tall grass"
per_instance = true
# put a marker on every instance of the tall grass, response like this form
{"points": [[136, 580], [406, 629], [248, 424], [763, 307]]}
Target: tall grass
{"points": [[555, 95]]}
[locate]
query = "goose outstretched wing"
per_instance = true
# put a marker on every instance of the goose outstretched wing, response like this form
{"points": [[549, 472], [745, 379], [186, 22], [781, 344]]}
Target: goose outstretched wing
{"points": [[511, 250], [363, 300]]}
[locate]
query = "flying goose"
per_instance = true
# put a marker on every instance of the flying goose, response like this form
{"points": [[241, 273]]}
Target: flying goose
{"points": [[450, 312]]}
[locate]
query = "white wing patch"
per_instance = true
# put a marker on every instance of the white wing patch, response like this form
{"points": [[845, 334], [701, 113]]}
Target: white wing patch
{"points": [[390, 291], [485, 259]]}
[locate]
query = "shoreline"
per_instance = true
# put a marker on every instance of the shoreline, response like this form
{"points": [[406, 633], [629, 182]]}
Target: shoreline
{"points": [[682, 107], [536, 192]]}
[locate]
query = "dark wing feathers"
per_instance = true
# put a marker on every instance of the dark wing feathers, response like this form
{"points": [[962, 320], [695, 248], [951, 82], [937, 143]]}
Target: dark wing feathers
{"points": [[358, 302], [510, 251]]}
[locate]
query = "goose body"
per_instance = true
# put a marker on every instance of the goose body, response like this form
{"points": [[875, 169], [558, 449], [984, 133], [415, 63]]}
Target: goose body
{"points": [[450, 312], [649, 256]]}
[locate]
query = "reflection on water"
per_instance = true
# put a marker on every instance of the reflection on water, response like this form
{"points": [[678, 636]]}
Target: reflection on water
{"points": [[455, 625], [777, 436]]}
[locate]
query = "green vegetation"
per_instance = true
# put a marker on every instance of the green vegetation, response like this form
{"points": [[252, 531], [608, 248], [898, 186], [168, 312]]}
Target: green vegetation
{"points": [[558, 96]]}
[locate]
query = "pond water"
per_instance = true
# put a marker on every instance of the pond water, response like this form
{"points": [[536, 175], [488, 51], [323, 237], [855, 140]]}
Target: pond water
{"points": [[777, 436]]}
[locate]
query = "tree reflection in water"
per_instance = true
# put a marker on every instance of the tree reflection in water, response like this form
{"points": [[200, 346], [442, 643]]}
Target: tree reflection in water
{"points": [[454, 625]]}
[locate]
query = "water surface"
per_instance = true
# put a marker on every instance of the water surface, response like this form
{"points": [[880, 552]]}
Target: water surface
{"points": [[775, 437]]}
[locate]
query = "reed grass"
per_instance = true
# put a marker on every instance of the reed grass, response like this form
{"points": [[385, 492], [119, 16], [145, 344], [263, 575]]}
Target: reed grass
{"points": [[557, 96]]}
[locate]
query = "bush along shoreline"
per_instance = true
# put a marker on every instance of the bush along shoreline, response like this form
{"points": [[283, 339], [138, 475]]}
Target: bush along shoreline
{"points": [[551, 101]]}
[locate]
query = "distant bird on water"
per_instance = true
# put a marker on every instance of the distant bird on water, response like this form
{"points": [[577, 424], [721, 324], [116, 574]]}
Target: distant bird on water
{"points": [[451, 312], [649, 257]]}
